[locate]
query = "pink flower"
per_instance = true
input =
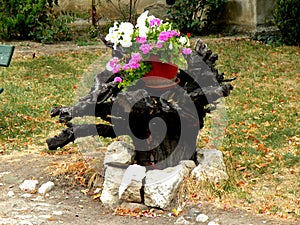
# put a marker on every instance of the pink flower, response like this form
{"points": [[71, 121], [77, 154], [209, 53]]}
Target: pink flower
{"points": [[158, 45], [141, 40], [145, 48], [136, 57], [186, 51], [113, 62], [174, 33], [126, 67], [116, 68], [164, 36], [134, 64], [155, 22], [118, 79]]}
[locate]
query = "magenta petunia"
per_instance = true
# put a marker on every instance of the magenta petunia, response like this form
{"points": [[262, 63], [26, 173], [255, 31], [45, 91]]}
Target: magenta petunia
{"points": [[186, 51], [158, 45], [126, 67], [141, 40], [113, 62], [164, 36], [155, 22], [145, 48], [134, 64], [118, 79], [116, 68], [174, 33], [136, 57]]}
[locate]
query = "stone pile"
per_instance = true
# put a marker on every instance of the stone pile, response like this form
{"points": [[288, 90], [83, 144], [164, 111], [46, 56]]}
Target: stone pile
{"points": [[131, 183]]}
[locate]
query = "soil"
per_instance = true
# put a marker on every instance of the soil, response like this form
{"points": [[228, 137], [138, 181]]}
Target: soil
{"points": [[66, 203]]}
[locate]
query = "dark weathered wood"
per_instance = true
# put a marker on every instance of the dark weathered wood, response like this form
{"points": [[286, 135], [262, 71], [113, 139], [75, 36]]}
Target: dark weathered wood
{"points": [[134, 108]]}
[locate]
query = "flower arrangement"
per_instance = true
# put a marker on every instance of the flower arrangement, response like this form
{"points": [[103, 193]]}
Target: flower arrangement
{"points": [[149, 37]]}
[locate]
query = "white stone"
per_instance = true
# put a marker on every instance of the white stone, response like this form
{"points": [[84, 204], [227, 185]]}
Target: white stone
{"points": [[212, 223], [119, 152], [46, 187], [25, 222], [28, 185], [27, 195], [132, 183], [161, 186], [208, 173], [202, 218], [112, 181], [57, 213], [10, 194], [182, 221], [211, 158]]}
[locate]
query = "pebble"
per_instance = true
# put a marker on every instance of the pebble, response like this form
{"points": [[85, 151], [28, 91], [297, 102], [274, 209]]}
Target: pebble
{"points": [[57, 213], [182, 221], [26, 195], [46, 187], [202, 218], [212, 223], [25, 222], [10, 194], [28, 185]]}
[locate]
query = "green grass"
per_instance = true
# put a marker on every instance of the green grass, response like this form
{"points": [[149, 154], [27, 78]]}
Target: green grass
{"points": [[263, 127], [261, 143], [32, 87]]}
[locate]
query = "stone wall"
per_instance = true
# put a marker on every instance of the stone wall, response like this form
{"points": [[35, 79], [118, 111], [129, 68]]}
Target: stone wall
{"points": [[238, 15], [246, 15]]}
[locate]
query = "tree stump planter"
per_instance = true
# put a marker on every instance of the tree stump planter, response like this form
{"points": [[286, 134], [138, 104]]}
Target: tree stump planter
{"points": [[162, 122]]}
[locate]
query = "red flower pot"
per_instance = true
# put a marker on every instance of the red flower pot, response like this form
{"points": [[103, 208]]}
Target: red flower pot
{"points": [[163, 70], [162, 75]]}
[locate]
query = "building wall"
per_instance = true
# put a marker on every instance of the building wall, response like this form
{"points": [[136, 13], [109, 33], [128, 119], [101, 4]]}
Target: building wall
{"points": [[238, 15]]}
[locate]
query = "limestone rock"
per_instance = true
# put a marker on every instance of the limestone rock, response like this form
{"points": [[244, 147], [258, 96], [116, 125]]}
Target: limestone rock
{"points": [[112, 182], [202, 218], [28, 185], [188, 164], [208, 173], [182, 221], [46, 187], [119, 152], [211, 158], [132, 182], [161, 186]]}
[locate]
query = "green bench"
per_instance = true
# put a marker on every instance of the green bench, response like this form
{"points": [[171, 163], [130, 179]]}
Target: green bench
{"points": [[6, 53]]}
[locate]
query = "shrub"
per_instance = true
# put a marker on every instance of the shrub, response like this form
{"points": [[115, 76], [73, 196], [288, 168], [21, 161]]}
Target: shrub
{"points": [[287, 14], [32, 19], [195, 16]]}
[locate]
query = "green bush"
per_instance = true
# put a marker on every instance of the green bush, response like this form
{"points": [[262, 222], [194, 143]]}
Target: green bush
{"points": [[287, 14], [196, 17], [32, 19]]}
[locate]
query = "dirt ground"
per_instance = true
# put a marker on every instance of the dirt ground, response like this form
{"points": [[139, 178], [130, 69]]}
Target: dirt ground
{"points": [[67, 204]]}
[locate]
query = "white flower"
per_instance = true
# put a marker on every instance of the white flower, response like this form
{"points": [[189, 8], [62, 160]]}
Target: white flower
{"points": [[171, 46], [143, 31], [126, 28], [141, 21], [126, 41], [183, 40]]}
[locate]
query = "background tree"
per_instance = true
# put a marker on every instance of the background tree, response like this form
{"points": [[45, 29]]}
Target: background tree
{"points": [[287, 14], [32, 19], [195, 16]]}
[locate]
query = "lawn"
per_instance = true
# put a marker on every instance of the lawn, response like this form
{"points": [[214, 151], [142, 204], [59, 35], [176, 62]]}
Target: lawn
{"points": [[261, 143]]}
